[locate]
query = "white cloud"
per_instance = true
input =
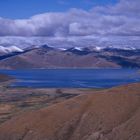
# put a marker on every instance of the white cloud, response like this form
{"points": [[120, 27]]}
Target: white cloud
{"points": [[113, 22]]}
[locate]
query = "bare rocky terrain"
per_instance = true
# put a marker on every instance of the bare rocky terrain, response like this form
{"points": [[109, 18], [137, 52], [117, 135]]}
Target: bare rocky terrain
{"points": [[109, 114]]}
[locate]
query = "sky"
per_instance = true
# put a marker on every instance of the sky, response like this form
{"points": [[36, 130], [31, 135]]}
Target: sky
{"points": [[70, 22], [19, 9]]}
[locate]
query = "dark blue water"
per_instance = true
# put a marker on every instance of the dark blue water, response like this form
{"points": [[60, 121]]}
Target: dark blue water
{"points": [[73, 78]]}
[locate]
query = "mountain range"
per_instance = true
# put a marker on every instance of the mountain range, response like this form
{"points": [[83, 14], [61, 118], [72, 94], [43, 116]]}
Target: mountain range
{"points": [[44, 56]]}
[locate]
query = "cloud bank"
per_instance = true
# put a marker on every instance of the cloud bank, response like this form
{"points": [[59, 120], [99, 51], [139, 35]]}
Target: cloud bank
{"points": [[111, 24]]}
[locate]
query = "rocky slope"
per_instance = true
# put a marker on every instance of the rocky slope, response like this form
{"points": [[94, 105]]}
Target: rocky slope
{"points": [[112, 114]]}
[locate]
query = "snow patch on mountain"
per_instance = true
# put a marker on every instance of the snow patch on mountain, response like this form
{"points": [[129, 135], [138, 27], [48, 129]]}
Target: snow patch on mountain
{"points": [[122, 47], [10, 49], [14, 49], [62, 49], [2, 49], [78, 48]]}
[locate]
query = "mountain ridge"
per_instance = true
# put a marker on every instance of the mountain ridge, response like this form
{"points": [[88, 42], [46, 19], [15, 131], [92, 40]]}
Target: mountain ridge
{"points": [[49, 57]]}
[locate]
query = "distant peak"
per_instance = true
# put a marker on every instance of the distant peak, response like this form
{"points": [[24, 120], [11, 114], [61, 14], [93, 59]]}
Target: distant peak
{"points": [[62, 49], [47, 47], [10, 49]]}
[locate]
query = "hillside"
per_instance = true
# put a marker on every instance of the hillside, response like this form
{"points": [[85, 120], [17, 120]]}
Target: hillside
{"points": [[112, 114]]}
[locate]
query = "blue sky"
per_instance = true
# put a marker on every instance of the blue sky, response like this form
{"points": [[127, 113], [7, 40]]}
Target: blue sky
{"points": [[17, 9]]}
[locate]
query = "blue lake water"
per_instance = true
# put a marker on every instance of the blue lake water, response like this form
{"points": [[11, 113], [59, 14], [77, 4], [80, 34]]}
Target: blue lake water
{"points": [[73, 78]]}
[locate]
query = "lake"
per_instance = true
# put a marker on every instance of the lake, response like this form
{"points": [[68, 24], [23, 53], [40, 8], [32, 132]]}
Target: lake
{"points": [[73, 78]]}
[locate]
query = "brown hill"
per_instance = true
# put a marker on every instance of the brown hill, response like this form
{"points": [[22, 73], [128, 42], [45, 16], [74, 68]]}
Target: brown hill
{"points": [[39, 58], [49, 57], [112, 114]]}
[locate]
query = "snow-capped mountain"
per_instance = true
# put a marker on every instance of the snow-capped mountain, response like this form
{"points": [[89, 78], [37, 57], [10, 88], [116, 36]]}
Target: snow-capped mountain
{"points": [[62, 49], [44, 56], [79, 51], [3, 50], [10, 49], [124, 47], [26, 42]]}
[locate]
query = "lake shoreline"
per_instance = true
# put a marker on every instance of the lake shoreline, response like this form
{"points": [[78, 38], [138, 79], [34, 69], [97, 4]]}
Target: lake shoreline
{"points": [[72, 78]]}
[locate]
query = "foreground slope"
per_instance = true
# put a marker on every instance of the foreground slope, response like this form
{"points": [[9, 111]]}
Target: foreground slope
{"points": [[112, 114]]}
